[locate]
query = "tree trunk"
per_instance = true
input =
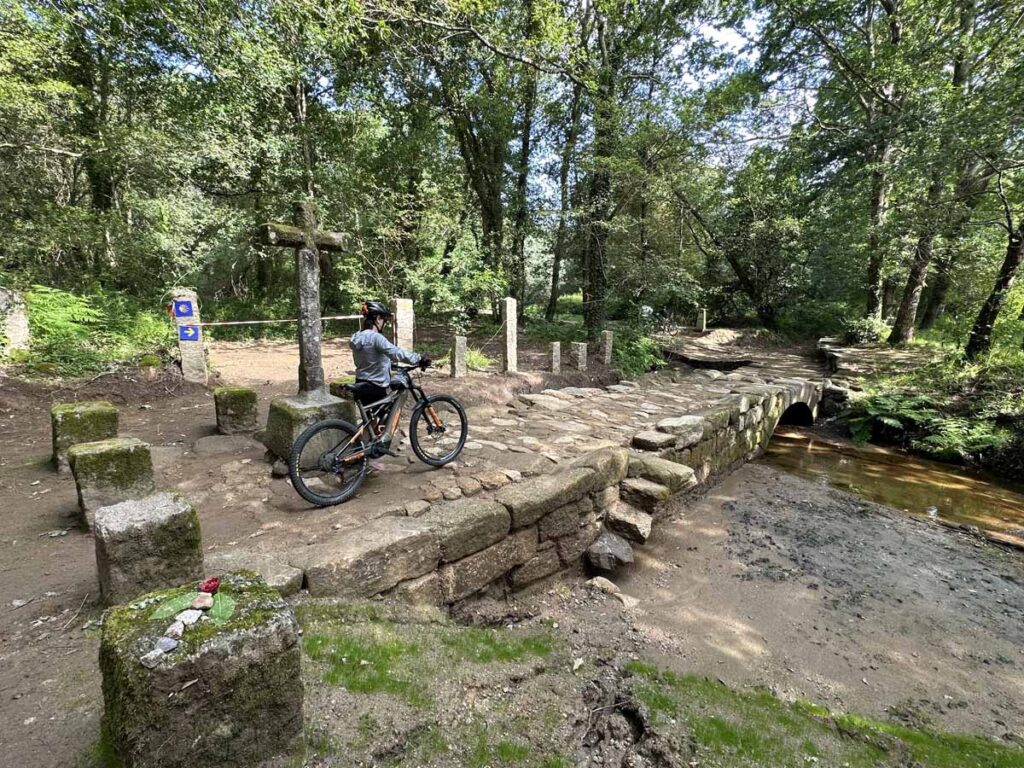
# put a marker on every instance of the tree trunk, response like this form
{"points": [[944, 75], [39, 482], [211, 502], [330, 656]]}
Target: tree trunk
{"points": [[876, 216], [517, 276], [980, 340], [561, 237]]}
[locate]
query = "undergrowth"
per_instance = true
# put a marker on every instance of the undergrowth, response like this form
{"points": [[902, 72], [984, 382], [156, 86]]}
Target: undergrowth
{"points": [[946, 408]]}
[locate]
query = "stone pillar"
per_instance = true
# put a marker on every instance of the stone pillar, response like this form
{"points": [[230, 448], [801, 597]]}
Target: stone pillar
{"points": [[556, 357], [607, 339], [307, 289], [458, 358], [236, 410], [510, 346], [185, 308], [405, 322], [702, 320], [578, 354], [110, 471], [14, 333]]}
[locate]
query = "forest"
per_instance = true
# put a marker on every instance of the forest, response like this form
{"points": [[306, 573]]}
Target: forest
{"points": [[813, 167]]}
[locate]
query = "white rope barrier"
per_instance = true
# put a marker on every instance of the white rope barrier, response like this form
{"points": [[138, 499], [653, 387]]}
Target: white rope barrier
{"points": [[264, 322]]}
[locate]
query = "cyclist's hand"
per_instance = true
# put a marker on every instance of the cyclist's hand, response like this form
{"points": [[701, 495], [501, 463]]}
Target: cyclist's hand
{"points": [[425, 362]]}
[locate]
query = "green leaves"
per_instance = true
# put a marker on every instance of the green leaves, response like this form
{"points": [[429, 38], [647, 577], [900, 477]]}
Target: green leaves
{"points": [[223, 608], [173, 606]]}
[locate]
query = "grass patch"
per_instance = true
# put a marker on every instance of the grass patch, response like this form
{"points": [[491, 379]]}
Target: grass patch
{"points": [[490, 645], [733, 728], [367, 665]]}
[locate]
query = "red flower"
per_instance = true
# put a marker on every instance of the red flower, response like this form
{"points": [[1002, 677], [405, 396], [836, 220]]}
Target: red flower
{"points": [[211, 585]]}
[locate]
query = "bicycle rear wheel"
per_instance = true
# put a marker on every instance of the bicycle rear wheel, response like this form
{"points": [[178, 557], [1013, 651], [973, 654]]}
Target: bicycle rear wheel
{"points": [[328, 462], [438, 429]]}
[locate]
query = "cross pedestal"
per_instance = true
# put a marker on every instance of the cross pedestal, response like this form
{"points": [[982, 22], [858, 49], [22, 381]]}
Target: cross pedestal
{"points": [[290, 415]]}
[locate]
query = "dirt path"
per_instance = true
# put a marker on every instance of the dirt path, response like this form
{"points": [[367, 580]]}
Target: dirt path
{"points": [[776, 581]]}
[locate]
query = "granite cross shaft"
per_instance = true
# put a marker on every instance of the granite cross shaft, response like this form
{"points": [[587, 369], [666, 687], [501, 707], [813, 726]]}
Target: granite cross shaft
{"points": [[307, 240]]}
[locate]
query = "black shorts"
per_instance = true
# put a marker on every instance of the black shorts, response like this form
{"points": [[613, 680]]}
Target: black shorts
{"points": [[370, 392]]}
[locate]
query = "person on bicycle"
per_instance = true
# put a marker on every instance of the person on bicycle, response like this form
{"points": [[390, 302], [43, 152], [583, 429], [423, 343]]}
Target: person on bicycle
{"points": [[373, 353]]}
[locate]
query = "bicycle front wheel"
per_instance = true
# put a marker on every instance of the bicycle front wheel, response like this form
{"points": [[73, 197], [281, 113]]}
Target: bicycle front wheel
{"points": [[438, 430], [328, 462]]}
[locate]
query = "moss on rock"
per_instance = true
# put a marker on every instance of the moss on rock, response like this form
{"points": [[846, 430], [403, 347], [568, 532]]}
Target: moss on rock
{"points": [[236, 410], [230, 694], [84, 422], [110, 471]]}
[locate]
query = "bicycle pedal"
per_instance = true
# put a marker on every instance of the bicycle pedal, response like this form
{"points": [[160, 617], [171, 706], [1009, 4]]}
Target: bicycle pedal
{"points": [[392, 453]]}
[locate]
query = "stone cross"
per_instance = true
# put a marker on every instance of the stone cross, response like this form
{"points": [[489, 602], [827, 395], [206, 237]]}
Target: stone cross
{"points": [[510, 342], [307, 240]]}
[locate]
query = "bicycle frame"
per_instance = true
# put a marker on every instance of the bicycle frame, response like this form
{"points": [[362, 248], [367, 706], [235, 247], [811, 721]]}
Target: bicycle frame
{"points": [[397, 402]]}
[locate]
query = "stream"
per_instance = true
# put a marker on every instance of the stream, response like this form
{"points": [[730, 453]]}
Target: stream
{"points": [[921, 487]]}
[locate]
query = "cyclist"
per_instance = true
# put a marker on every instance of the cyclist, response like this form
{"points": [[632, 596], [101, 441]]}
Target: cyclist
{"points": [[373, 354]]}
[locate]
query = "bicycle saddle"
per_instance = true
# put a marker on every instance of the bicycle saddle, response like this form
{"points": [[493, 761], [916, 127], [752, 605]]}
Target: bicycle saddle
{"points": [[359, 390]]}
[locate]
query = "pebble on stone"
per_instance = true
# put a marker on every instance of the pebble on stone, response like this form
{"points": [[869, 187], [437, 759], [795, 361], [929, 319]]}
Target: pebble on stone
{"points": [[152, 658], [189, 616], [176, 630], [166, 644], [203, 601]]}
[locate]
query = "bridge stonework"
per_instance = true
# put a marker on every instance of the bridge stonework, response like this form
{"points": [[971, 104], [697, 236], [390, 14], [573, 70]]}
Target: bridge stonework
{"points": [[665, 440]]}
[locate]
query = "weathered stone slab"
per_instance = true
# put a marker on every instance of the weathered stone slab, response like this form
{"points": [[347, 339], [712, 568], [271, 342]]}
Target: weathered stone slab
{"points": [[609, 465], [571, 548], [467, 526], [423, 590], [686, 429], [459, 368], [229, 695], [578, 354], [109, 471], [609, 552], [288, 416], [146, 544], [272, 567], [14, 328], [537, 567], [556, 357], [385, 552], [471, 574], [545, 402], [562, 522], [629, 522], [530, 500], [74, 423], [650, 440], [509, 329], [607, 341], [644, 493], [606, 498], [337, 387], [236, 410], [677, 477]]}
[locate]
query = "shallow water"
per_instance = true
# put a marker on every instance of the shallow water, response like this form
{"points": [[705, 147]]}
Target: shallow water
{"points": [[915, 485]]}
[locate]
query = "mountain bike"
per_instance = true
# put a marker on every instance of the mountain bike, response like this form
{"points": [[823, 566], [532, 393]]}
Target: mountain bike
{"points": [[330, 458]]}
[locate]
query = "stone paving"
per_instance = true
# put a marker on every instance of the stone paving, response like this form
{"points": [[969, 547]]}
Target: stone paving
{"points": [[535, 434]]}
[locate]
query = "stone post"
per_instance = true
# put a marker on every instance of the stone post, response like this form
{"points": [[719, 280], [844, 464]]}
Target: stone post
{"points": [[307, 288], [458, 358], [405, 322], [510, 347], [556, 357], [14, 333], [607, 339], [578, 354], [185, 308], [702, 320]]}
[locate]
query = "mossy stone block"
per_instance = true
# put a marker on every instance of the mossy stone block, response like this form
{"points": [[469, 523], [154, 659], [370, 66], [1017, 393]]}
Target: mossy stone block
{"points": [[74, 423], [229, 695], [236, 410], [288, 416], [337, 384], [110, 471], [146, 544]]}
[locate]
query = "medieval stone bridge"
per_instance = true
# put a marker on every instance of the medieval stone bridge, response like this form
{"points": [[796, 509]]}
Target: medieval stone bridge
{"points": [[555, 478]]}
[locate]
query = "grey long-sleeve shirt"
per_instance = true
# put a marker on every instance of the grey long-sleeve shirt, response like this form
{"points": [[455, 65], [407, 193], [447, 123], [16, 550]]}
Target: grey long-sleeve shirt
{"points": [[373, 355]]}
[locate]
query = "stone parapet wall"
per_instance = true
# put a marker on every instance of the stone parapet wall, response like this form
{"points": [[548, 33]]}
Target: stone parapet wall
{"points": [[517, 535]]}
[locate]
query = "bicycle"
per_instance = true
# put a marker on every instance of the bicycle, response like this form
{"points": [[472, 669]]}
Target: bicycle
{"points": [[329, 459]]}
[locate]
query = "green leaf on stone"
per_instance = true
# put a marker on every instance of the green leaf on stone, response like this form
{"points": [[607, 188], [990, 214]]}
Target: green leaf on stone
{"points": [[175, 605], [223, 608]]}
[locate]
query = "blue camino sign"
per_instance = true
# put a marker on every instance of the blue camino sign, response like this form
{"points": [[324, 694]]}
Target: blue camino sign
{"points": [[188, 332], [183, 309]]}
